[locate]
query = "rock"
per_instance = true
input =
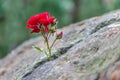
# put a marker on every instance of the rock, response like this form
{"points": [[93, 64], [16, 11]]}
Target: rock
{"points": [[89, 50]]}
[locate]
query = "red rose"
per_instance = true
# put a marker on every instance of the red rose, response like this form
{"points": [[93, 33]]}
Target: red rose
{"points": [[35, 22]]}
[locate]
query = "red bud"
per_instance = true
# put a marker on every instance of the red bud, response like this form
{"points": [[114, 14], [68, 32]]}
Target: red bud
{"points": [[59, 35]]}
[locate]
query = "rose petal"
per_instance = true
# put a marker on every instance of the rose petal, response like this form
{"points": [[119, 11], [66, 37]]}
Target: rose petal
{"points": [[32, 26], [51, 19], [46, 29], [35, 30]]}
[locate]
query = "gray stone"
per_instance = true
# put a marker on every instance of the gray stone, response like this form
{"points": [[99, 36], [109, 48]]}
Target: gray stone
{"points": [[87, 51]]}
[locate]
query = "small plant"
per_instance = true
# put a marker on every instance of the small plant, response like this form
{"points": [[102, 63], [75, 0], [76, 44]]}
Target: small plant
{"points": [[45, 25]]}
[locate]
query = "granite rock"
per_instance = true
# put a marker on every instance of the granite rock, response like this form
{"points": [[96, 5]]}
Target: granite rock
{"points": [[89, 50]]}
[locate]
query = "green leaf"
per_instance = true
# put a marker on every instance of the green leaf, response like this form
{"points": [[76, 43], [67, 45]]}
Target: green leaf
{"points": [[39, 49]]}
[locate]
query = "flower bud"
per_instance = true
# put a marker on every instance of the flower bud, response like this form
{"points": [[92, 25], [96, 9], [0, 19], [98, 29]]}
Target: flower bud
{"points": [[54, 22], [59, 35], [52, 29]]}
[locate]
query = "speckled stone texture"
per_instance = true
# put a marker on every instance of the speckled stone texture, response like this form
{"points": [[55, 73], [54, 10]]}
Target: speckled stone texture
{"points": [[89, 50]]}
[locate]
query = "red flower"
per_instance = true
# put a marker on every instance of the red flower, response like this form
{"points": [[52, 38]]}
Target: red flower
{"points": [[35, 22]]}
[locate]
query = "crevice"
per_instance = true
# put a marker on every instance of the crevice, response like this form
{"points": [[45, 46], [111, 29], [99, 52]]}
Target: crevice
{"points": [[98, 77], [100, 25], [103, 24], [57, 54], [27, 74]]}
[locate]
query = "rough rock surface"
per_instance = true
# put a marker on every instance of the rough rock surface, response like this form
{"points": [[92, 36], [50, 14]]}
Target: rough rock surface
{"points": [[89, 50]]}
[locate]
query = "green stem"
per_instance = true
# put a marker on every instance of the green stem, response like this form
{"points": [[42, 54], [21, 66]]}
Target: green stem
{"points": [[49, 35], [46, 54], [53, 43], [49, 49], [46, 40]]}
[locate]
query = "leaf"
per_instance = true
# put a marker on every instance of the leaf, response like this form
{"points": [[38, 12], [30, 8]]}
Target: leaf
{"points": [[39, 49]]}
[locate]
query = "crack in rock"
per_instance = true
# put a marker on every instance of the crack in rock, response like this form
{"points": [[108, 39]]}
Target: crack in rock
{"points": [[59, 52], [105, 20]]}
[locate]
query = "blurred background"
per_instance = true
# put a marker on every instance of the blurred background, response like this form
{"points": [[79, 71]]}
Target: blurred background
{"points": [[14, 14]]}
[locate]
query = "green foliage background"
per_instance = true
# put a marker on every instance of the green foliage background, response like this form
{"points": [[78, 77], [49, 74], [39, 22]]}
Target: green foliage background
{"points": [[14, 14]]}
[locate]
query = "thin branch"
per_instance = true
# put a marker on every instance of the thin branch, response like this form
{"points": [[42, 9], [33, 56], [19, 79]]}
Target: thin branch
{"points": [[53, 43]]}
